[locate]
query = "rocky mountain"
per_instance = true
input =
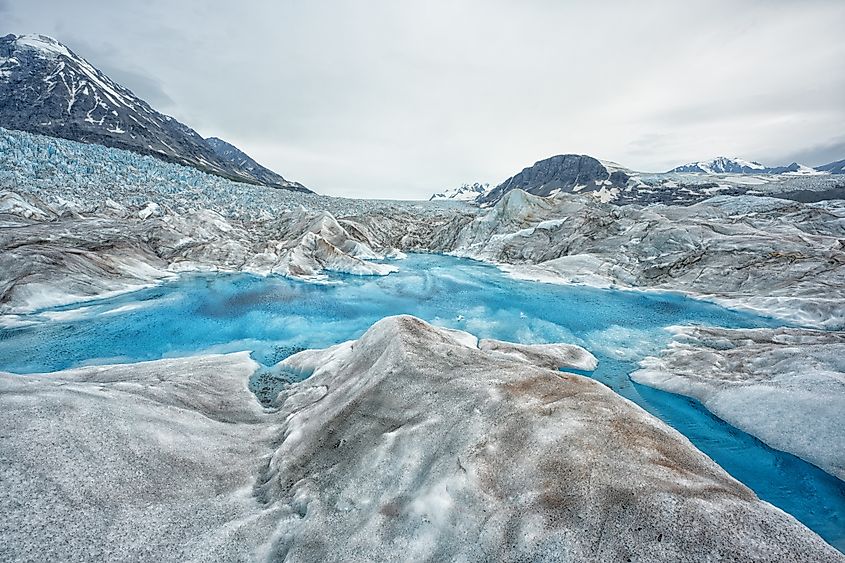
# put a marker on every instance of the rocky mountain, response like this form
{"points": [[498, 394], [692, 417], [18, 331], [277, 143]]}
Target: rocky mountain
{"points": [[837, 167], [46, 88], [793, 168], [725, 165], [235, 156], [562, 173], [722, 165], [465, 192]]}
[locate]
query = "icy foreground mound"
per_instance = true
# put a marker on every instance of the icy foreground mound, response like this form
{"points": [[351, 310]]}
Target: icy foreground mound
{"points": [[150, 461], [784, 386], [407, 444]]}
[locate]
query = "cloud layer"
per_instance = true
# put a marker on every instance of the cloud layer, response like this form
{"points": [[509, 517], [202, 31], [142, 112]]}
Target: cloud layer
{"points": [[397, 99]]}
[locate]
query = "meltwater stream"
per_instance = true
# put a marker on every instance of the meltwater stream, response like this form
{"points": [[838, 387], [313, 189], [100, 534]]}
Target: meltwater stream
{"points": [[274, 317]]}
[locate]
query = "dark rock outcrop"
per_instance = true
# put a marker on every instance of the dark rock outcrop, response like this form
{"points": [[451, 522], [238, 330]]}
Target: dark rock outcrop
{"points": [[565, 173]]}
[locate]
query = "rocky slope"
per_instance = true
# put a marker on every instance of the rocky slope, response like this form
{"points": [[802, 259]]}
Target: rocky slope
{"points": [[528, 462], [837, 167], [46, 88], [560, 174], [241, 161]]}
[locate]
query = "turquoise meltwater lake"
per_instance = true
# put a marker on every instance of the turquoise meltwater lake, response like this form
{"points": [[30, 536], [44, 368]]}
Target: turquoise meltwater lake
{"points": [[274, 317]]}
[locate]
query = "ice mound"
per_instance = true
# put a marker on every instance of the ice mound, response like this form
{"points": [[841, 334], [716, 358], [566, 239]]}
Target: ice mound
{"points": [[143, 462], [784, 386], [313, 242], [771, 256], [406, 444], [552, 356], [14, 204]]}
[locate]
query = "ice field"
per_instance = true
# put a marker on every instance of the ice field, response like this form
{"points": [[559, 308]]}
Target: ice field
{"points": [[274, 317]]}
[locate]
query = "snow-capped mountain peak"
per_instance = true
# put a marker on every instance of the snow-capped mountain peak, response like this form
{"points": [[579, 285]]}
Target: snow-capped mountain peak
{"points": [[725, 165], [722, 165], [46, 45], [48, 89], [465, 192]]}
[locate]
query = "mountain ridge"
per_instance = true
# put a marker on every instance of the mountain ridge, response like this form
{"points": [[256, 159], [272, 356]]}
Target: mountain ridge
{"points": [[46, 88], [609, 181], [230, 153], [736, 165]]}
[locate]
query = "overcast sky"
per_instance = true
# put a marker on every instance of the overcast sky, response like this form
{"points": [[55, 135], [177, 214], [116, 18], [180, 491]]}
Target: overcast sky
{"points": [[399, 99]]}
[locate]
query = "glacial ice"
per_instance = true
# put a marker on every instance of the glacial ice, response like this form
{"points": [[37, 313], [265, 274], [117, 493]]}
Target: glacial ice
{"points": [[81, 222], [783, 385], [551, 356], [274, 317], [406, 435], [772, 256], [148, 461], [466, 441]]}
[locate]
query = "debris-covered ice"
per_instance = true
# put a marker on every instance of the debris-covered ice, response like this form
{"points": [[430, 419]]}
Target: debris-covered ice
{"points": [[407, 444]]}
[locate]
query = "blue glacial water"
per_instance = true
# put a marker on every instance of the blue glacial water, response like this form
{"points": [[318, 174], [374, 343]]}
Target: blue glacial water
{"points": [[274, 317]]}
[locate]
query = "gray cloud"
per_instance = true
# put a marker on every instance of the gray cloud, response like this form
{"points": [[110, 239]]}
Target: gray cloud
{"points": [[818, 154], [146, 87], [106, 56], [388, 99]]}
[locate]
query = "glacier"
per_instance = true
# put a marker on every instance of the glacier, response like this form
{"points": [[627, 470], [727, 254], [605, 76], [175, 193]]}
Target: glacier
{"points": [[274, 317], [768, 382], [83, 223], [774, 256], [466, 444]]}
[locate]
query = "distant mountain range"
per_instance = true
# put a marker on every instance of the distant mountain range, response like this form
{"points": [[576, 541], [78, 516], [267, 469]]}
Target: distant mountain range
{"points": [[837, 167], [46, 88], [725, 165], [574, 173], [466, 192]]}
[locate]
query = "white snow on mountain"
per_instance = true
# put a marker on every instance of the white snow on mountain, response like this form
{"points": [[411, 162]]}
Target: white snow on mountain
{"points": [[45, 44], [46, 88], [804, 171], [465, 192], [722, 165], [735, 165]]}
